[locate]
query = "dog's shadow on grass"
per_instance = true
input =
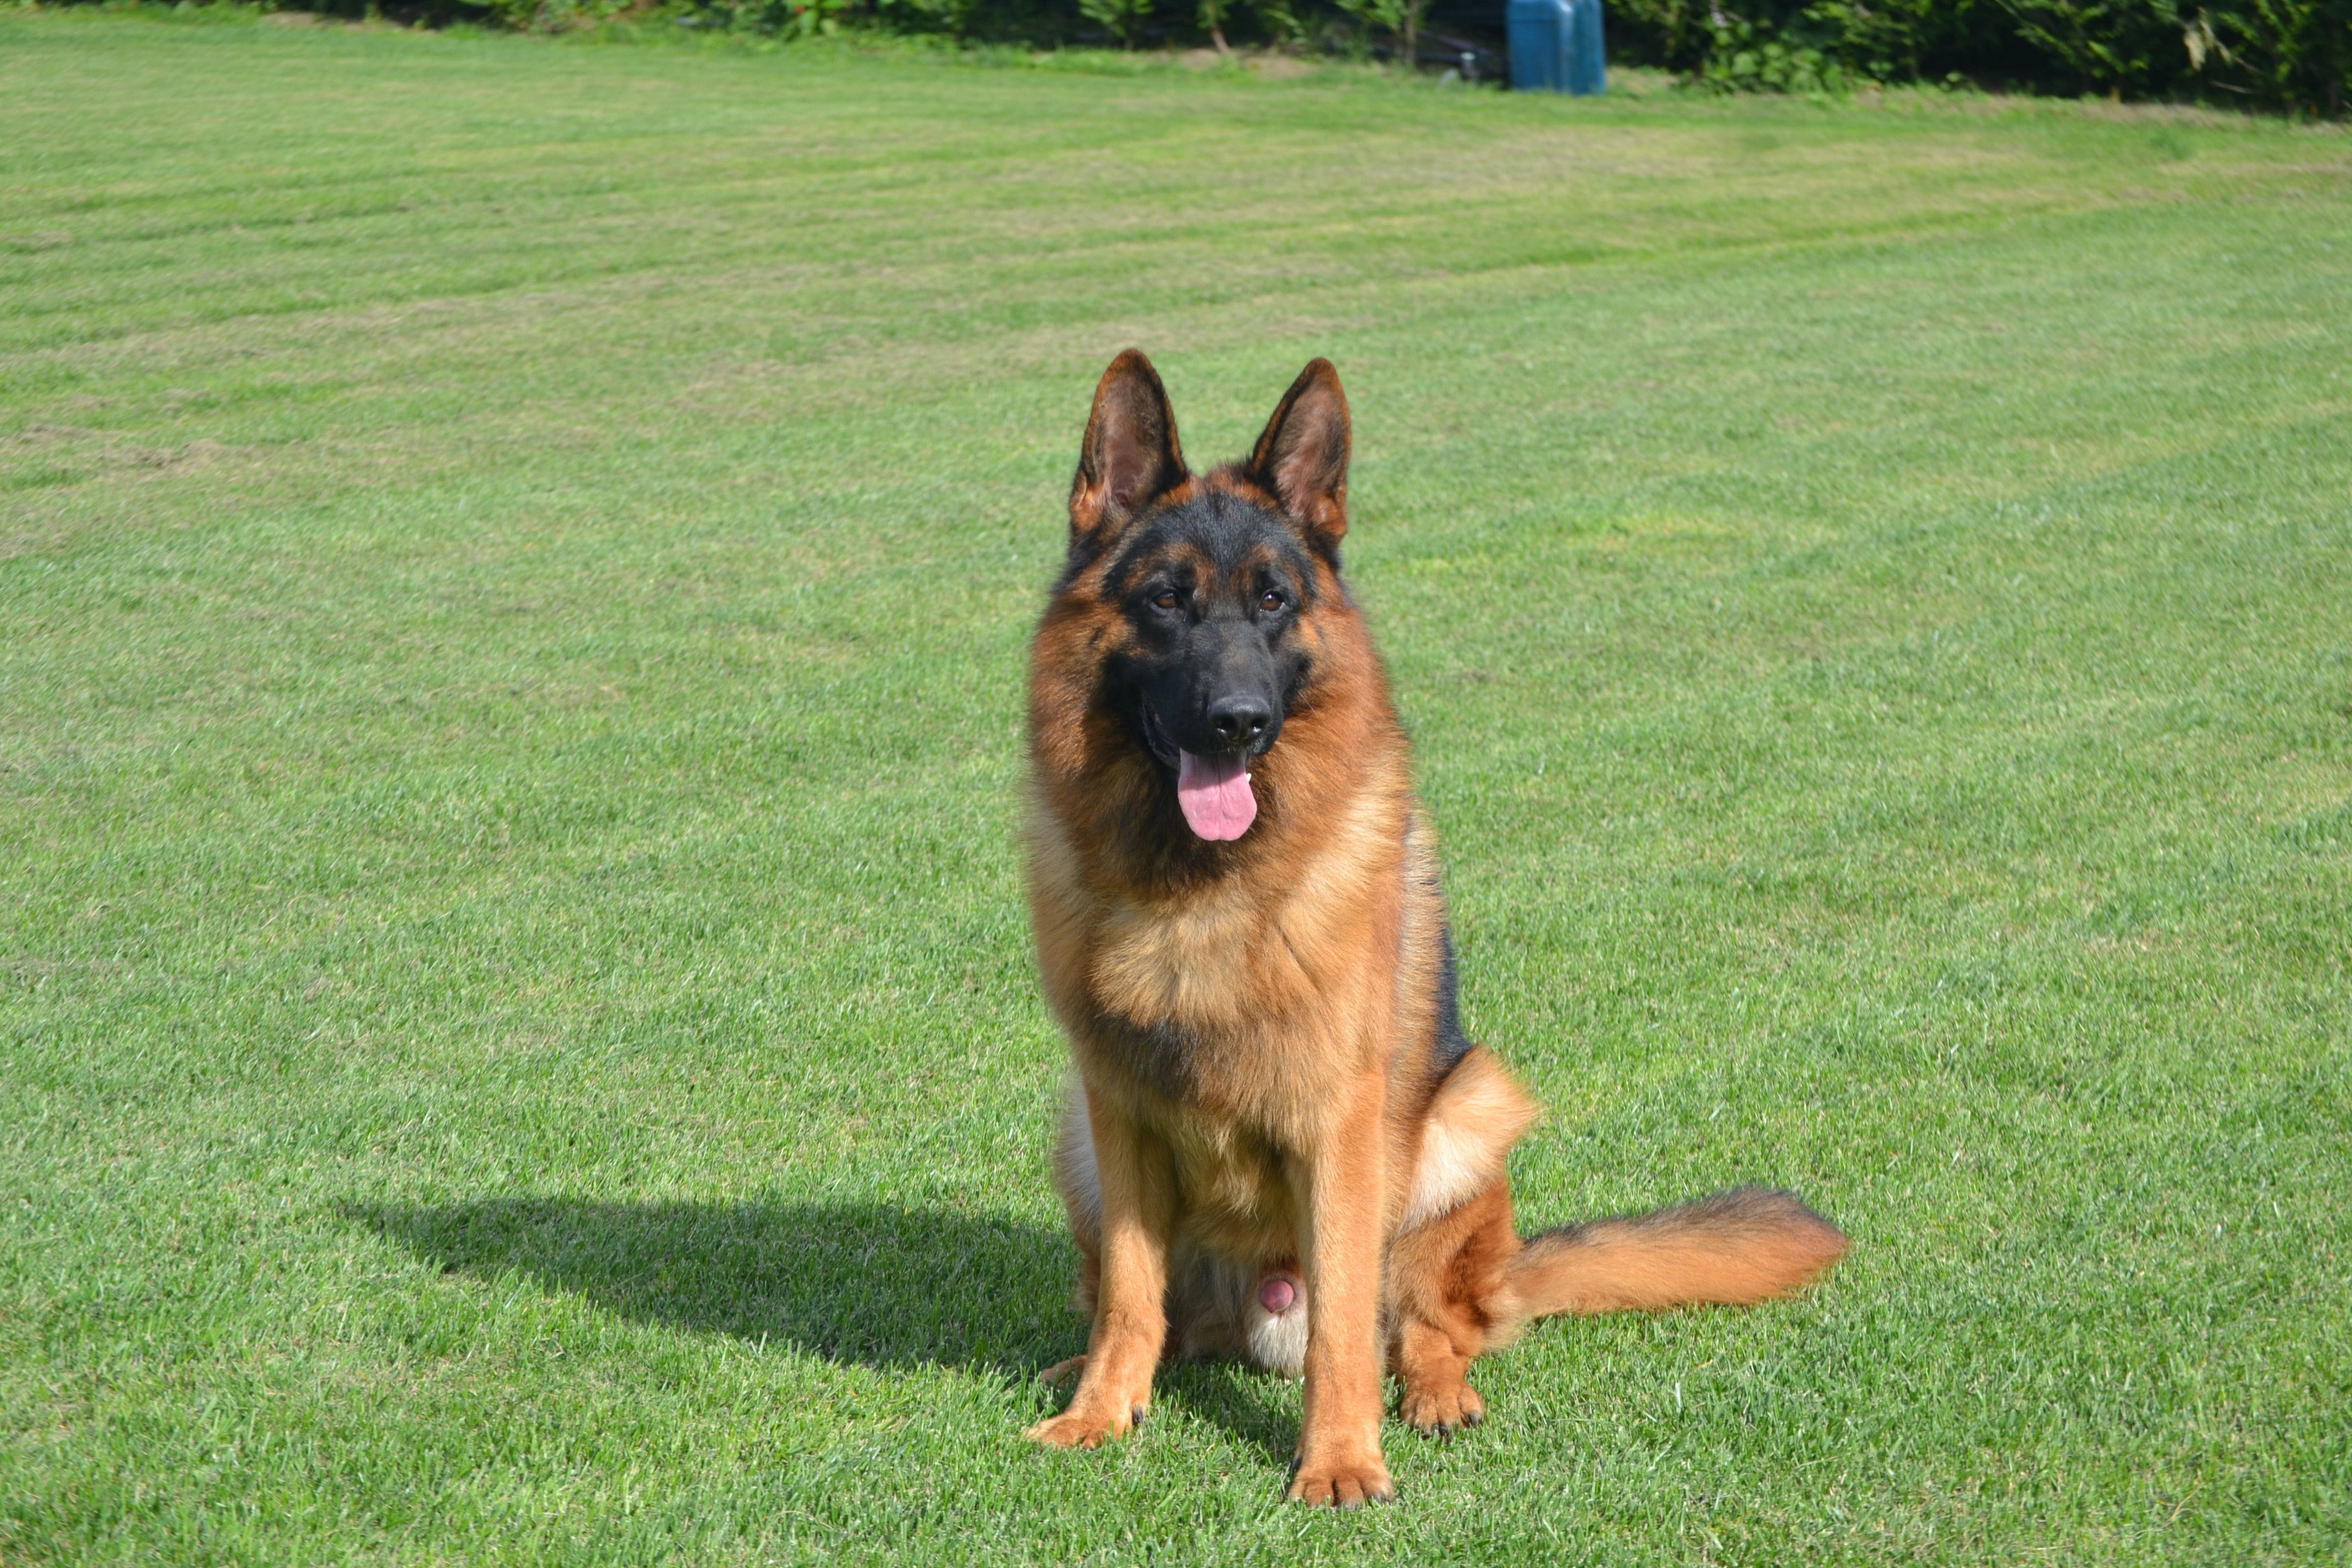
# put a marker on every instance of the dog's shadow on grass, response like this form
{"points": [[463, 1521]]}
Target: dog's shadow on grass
{"points": [[863, 1284]]}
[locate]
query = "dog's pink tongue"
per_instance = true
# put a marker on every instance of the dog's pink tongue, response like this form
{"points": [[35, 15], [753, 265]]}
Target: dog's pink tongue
{"points": [[1215, 794]]}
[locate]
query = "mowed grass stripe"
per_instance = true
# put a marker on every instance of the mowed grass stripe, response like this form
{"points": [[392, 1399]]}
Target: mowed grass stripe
{"points": [[1128, 170]]}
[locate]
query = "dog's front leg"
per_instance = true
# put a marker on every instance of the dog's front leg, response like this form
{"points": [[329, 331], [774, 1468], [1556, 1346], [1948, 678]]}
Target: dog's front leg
{"points": [[1341, 1178], [1139, 1203]]}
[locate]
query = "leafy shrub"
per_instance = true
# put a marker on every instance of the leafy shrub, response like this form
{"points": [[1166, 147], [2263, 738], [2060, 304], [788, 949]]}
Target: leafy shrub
{"points": [[1883, 40], [1676, 34], [1397, 20], [2293, 55], [1739, 59], [1913, 40], [1124, 18], [2135, 46], [2285, 54], [777, 18]]}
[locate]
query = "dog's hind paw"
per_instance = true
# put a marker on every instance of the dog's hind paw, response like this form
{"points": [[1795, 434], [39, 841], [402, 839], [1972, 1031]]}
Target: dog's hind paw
{"points": [[1071, 1430], [1437, 1411]]}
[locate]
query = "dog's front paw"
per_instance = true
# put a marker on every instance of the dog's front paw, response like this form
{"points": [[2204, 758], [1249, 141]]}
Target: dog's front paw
{"points": [[1084, 1429], [1346, 1484]]}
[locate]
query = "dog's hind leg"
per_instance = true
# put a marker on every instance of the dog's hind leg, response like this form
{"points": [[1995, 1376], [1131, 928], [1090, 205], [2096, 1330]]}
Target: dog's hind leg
{"points": [[1449, 1294], [1449, 1287], [1450, 1266]]}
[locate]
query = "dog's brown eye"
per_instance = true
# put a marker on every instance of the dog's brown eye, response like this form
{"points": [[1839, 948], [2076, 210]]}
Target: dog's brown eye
{"points": [[1270, 600], [1165, 599]]}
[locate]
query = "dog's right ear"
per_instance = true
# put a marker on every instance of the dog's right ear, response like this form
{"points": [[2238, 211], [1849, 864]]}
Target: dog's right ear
{"points": [[1131, 456]]}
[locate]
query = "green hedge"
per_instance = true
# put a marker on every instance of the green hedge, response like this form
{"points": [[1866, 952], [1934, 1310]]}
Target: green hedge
{"points": [[2284, 55], [2293, 55]]}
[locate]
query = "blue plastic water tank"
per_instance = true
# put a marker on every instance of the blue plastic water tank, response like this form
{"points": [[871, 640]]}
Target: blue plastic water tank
{"points": [[1556, 46]]}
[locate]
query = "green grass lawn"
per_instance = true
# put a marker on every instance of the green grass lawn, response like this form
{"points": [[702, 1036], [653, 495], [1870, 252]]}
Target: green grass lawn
{"points": [[517, 1035]]}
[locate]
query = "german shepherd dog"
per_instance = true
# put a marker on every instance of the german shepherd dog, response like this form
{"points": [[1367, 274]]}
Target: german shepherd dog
{"points": [[1279, 1144]]}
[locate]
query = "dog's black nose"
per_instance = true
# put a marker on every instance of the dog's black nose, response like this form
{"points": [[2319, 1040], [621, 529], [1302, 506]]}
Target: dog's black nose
{"points": [[1240, 719]]}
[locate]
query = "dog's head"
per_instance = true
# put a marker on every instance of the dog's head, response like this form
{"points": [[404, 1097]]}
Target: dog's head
{"points": [[1205, 591]]}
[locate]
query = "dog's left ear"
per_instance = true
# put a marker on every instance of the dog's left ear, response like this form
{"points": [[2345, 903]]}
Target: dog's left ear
{"points": [[1302, 457]]}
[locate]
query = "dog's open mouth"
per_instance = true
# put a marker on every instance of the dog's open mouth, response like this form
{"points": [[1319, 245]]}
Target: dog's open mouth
{"points": [[1213, 792]]}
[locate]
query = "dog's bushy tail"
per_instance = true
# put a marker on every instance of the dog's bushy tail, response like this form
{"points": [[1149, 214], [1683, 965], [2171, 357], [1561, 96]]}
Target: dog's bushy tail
{"points": [[1744, 1245]]}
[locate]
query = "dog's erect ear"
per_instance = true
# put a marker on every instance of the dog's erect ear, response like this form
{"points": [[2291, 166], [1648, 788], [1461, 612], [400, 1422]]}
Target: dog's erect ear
{"points": [[1303, 455], [1130, 454]]}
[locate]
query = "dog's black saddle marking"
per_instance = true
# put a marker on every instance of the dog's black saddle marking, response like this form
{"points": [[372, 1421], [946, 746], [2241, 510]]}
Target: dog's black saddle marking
{"points": [[1451, 1044]]}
